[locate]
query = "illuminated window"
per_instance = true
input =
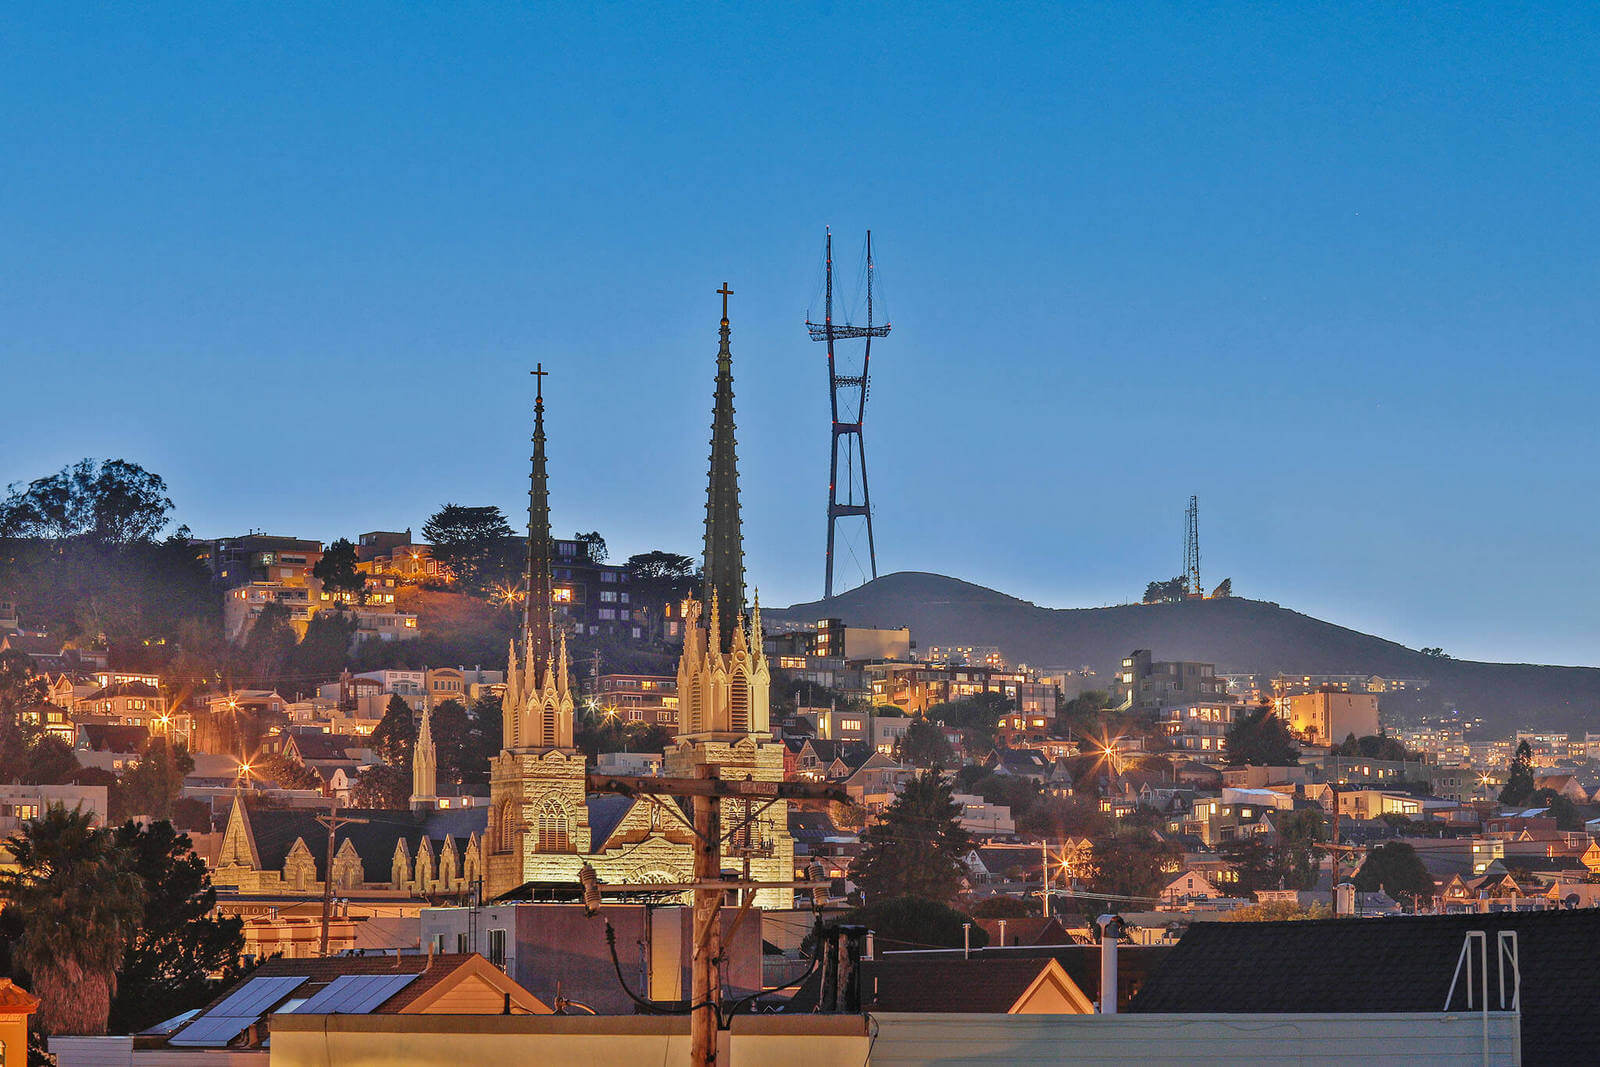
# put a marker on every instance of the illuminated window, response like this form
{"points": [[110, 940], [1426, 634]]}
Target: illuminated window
{"points": [[561, 595]]}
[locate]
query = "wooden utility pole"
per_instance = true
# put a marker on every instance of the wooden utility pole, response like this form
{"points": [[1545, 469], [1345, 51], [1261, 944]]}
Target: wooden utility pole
{"points": [[1333, 855], [1044, 885], [707, 791], [706, 985], [333, 820]]}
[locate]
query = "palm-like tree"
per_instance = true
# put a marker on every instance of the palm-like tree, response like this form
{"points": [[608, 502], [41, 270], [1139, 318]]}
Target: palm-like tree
{"points": [[79, 902]]}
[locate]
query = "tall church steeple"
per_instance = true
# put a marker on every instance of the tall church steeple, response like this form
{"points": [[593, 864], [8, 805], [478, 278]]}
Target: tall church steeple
{"points": [[724, 545], [537, 627], [538, 701]]}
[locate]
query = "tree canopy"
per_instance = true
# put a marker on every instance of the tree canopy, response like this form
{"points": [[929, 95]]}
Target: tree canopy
{"points": [[1169, 591], [1518, 789], [924, 745], [112, 501], [336, 570], [655, 580], [396, 733], [79, 902], [1261, 739], [916, 922], [917, 848], [473, 542], [168, 966], [1395, 868]]}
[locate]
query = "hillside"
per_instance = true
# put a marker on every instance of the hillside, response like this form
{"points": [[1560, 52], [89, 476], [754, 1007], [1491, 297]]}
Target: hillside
{"points": [[1236, 634]]}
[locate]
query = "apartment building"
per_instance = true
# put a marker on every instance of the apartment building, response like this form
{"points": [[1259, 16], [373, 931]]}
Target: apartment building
{"points": [[1146, 684]]}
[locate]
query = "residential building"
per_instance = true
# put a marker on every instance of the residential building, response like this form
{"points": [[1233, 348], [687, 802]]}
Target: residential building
{"points": [[263, 558], [978, 816], [124, 703], [640, 698], [382, 552], [111, 748], [862, 643], [1200, 727], [1148, 685], [1328, 716], [20, 803], [966, 656]]}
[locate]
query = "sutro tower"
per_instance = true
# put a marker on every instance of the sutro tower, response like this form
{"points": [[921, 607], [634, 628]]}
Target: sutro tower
{"points": [[1191, 549], [847, 395]]}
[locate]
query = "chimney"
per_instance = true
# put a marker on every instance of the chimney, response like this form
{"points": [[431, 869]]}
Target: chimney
{"points": [[966, 941], [1002, 933], [1111, 927]]}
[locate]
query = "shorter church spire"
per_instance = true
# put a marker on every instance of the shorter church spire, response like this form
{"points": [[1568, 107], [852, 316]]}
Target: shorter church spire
{"points": [[424, 765]]}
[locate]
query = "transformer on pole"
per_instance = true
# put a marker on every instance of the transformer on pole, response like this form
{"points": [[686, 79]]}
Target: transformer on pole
{"points": [[847, 394]]}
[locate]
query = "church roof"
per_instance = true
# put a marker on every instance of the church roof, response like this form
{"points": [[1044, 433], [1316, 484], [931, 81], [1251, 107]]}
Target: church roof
{"points": [[277, 829], [606, 812]]}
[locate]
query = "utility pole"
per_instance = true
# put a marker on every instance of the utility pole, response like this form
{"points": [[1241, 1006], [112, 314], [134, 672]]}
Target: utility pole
{"points": [[333, 820], [1044, 886], [705, 983], [706, 791], [1333, 854]]}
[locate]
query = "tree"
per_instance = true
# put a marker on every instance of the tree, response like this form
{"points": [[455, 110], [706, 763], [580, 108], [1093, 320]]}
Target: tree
{"points": [[289, 773], [596, 545], [656, 580], [395, 734], [1373, 746], [151, 786], [1133, 862], [20, 686], [1002, 908], [1395, 868], [115, 502], [470, 541], [1168, 592], [916, 922], [267, 646], [1062, 817], [1562, 810], [917, 848], [1275, 911], [484, 740], [924, 745], [168, 967], [324, 650], [79, 903], [452, 741], [1435, 653], [51, 761], [336, 570], [1261, 739], [1519, 778], [382, 786]]}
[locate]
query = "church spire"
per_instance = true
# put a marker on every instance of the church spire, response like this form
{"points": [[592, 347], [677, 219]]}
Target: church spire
{"points": [[424, 764], [724, 546], [537, 626]]}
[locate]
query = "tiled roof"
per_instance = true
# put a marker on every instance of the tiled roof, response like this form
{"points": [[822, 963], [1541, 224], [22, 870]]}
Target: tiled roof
{"points": [[606, 812], [125, 689], [276, 830], [1398, 964]]}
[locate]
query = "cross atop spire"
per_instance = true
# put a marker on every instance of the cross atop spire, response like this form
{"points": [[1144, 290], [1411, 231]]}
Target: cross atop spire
{"points": [[726, 292], [724, 545], [539, 375]]}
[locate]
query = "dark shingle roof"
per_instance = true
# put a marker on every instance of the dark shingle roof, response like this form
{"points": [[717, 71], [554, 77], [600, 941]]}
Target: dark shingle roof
{"points": [[965, 980], [606, 811], [108, 738], [276, 830], [1389, 965]]}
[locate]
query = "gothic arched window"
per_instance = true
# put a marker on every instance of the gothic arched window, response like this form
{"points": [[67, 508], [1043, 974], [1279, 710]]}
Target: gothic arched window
{"points": [[554, 831], [739, 704], [505, 837]]}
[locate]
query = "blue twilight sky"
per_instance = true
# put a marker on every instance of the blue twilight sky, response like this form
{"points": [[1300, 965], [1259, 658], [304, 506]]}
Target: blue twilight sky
{"points": [[1335, 268]]}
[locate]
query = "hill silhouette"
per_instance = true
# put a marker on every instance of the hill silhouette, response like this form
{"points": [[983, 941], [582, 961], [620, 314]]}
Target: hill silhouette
{"points": [[1237, 634]]}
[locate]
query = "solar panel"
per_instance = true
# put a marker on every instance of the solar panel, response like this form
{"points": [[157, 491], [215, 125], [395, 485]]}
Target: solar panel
{"points": [[237, 1013], [355, 994]]}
